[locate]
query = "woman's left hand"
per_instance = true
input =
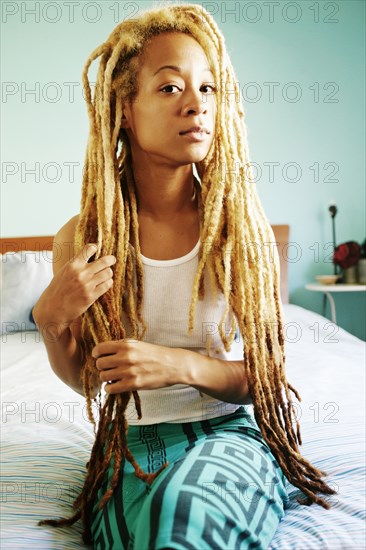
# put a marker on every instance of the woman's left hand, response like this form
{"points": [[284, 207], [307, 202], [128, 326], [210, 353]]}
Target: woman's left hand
{"points": [[129, 365]]}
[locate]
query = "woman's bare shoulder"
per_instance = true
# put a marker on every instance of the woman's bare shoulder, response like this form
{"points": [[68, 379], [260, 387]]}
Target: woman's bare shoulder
{"points": [[63, 243], [68, 229]]}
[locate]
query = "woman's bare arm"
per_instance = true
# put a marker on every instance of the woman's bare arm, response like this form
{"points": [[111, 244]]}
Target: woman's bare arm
{"points": [[224, 380], [70, 293], [129, 365]]}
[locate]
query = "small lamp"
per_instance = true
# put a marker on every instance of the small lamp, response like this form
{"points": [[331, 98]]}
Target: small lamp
{"points": [[333, 211]]}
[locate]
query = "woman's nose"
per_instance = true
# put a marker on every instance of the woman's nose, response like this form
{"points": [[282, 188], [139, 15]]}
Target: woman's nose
{"points": [[195, 102]]}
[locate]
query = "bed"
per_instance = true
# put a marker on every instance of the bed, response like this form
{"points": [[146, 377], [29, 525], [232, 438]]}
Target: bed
{"points": [[46, 437]]}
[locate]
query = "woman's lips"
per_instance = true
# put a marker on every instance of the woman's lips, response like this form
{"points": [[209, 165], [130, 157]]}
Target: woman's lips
{"points": [[194, 135]]}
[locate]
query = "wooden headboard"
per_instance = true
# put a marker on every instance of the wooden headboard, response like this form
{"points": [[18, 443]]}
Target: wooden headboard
{"points": [[16, 244], [281, 233], [282, 236]]}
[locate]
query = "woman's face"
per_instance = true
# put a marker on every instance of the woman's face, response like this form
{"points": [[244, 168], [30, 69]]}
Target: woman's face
{"points": [[175, 93]]}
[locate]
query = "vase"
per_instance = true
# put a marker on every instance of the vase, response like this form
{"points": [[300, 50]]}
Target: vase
{"points": [[349, 276], [362, 271]]}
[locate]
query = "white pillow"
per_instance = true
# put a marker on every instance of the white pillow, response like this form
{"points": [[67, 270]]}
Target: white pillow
{"points": [[24, 276]]}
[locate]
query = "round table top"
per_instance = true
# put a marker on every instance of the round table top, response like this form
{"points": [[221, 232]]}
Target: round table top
{"points": [[335, 288]]}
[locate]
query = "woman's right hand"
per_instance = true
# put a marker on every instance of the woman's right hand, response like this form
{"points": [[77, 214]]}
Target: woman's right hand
{"points": [[74, 288]]}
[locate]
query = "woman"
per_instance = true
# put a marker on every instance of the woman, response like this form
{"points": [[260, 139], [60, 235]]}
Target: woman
{"points": [[178, 460]]}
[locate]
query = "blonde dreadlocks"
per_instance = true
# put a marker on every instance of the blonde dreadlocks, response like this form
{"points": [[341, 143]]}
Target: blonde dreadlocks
{"points": [[231, 221]]}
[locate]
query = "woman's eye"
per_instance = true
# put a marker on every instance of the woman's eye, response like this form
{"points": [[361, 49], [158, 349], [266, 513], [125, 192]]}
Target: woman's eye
{"points": [[210, 88], [168, 88]]}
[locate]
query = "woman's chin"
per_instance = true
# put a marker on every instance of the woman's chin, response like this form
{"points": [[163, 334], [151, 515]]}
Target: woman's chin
{"points": [[193, 157]]}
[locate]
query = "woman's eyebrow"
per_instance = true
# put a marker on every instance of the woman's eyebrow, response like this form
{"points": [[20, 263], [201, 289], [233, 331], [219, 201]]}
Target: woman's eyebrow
{"points": [[178, 69]]}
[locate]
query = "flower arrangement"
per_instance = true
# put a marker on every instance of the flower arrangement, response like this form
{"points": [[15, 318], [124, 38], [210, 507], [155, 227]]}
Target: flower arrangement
{"points": [[362, 265], [363, 249], [348, 254]]}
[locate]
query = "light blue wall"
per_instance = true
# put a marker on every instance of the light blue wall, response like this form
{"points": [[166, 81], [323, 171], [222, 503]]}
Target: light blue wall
{"points": [[310, 54]]}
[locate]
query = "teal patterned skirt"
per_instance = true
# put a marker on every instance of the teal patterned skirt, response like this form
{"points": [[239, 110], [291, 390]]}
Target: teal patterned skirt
{"points": [[223, 489]]}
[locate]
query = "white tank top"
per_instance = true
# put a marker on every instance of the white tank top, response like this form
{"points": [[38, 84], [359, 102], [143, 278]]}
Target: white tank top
{"points": [[168, 288]]}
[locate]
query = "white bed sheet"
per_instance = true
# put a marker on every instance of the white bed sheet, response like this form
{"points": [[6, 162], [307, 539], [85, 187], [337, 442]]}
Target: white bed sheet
{"points": [[46, 439], [326, 365], [46, 442]]}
